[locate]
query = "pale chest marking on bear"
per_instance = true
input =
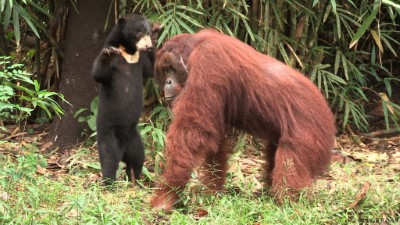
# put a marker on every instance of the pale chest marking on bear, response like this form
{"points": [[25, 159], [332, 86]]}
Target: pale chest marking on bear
{"points": [[128, 57]]}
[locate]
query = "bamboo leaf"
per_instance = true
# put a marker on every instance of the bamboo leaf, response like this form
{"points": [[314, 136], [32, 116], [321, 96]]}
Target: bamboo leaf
{"points": [[32, 22], [336, 78], [346, 113], [388, 2], [373, 55], [385, 99], [32, 26], [337, 62], [385, 113], [295, 55], [186, 8], [377, 40], [7, 16], [365, 25], [313, 74], [178, 29], [388, 86], [388, 45], [373, 72], [319, 79], [238, 13], [338, 26], [245, 6], [360, 91], [248, 30], [184, 25], [41, 9], [333, 3], [283, 52], [345, 68], [327, 12], [189, 19], [325, 81], [167, 28], [17, 31]]}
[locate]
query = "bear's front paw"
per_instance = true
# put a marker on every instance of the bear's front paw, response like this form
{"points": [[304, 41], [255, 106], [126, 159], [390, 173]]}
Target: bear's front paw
{"points": [[155, 31], [111, 51]]}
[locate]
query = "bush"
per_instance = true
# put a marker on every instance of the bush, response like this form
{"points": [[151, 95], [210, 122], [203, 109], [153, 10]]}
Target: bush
{"points": [[20, 95]]}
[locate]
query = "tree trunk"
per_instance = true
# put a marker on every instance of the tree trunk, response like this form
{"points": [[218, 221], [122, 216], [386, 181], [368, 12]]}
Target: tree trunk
{"points": [[83, 41]]}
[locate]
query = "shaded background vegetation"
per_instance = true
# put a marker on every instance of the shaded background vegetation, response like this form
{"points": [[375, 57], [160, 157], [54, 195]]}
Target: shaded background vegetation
{"points": [[350, 49]]}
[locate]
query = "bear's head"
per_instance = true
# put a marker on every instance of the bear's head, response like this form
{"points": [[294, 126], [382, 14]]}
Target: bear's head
{"points": [[133, 32]]}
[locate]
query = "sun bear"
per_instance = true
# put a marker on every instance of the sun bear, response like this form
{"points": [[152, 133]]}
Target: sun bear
{"points": [[125, 60]]}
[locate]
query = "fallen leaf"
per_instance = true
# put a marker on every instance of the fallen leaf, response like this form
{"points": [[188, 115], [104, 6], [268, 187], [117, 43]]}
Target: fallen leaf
{"points": [[72, 213], [40, 170], [371, 157], [4, 196], [361, 196], [201, 213]]}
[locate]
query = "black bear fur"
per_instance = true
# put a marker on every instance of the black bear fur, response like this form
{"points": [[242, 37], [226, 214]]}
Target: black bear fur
{"points": [[121, 96]]}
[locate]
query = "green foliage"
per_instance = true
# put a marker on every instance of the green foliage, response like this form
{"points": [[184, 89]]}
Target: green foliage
{"points": [[12, 11], [189, 16], [24, 168], [20, 95], [90, 117], [348, 48], [9, 75], [152, 132]]}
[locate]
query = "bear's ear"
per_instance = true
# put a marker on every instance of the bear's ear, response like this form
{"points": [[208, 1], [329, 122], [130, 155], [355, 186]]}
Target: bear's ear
{"points": [[121, 21]]}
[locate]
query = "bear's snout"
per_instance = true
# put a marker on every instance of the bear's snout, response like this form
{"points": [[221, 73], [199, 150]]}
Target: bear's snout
{"points": [[144, 44]]}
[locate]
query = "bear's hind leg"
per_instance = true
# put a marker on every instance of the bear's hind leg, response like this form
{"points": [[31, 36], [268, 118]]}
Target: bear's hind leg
{"points": [[134, 157], [110, 156]]}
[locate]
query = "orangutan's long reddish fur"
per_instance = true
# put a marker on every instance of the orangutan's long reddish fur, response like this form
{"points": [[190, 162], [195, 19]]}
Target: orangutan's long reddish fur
{"points": [[231, 85]]}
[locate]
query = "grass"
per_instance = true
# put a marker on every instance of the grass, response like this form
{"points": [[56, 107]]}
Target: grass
{"points": [[36, 190]]}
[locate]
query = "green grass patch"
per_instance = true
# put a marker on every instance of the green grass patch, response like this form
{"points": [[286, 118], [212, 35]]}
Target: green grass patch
{"points": [[35, 190]]}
